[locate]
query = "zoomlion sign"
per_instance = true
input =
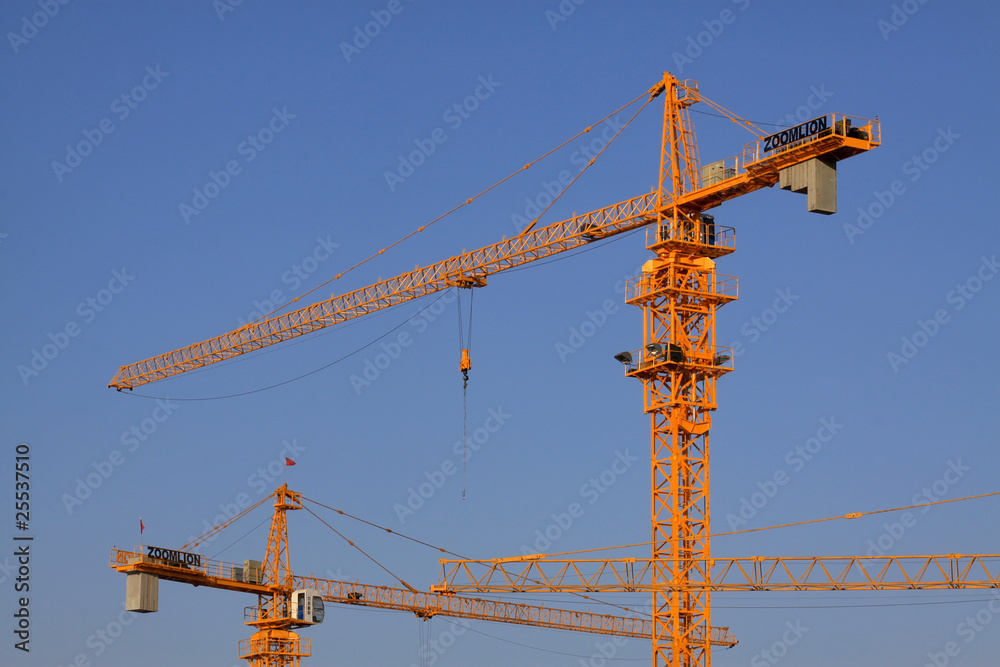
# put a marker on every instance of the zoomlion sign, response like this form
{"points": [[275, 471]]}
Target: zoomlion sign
{"points": [[174, 557], [797, 133]]}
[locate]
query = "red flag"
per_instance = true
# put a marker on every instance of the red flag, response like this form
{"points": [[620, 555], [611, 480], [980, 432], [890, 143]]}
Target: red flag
{"points": [[142, 526], [289, 462]]}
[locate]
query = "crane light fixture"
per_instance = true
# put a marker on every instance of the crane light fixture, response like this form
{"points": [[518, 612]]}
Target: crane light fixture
{"points": [[624, 357]]}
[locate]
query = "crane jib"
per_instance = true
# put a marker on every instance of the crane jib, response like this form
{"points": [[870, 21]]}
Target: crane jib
{"points": [[806, 129]]}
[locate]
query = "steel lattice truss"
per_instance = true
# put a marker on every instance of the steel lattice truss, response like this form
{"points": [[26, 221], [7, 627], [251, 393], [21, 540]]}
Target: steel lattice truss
{"points": [[821, 573]]}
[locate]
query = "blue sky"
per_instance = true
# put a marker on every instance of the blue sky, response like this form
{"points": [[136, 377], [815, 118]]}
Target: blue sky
{"points": [[279, 129]]}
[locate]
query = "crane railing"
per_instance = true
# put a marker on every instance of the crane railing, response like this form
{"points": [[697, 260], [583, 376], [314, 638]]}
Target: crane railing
{"points": [[785, 147], [175, 559], [714, 359], [724, 287], [680, 233], [951, 571], [836, 136], [205, 571]]}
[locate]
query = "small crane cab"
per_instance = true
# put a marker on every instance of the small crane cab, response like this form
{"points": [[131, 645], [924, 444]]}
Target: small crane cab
{"points": [[307, 605]]}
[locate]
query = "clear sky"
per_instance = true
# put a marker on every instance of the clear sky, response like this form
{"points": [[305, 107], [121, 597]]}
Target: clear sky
{"points": [[169, 168]]}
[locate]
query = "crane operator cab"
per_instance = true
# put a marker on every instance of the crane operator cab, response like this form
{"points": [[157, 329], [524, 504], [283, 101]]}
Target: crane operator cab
{"points": [[308, 606]]}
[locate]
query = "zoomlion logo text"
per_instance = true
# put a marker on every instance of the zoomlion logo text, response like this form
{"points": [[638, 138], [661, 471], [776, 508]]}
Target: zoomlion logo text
{"points": [[806, 129], [180, 557]]}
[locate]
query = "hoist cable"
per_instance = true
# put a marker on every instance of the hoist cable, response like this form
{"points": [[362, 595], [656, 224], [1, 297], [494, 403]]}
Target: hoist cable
{"points": [[225, 524], [588, 166], [465, 429], [363, 552], [852, 515], [465, 203], [472, 302], [452, 553]]}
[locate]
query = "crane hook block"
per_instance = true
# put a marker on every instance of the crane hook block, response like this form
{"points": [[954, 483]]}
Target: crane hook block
{"points": [[466, 362]]}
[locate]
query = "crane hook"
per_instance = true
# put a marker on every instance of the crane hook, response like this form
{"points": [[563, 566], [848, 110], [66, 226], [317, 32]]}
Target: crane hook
{"points": [[465, 366]]}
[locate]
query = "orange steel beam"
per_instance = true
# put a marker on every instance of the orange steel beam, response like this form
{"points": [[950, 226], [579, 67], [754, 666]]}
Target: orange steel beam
{"points": [[217, 574], [433, 604], [470, 267], [211, 573], [751, 170], [276, 568], [827, 573]]}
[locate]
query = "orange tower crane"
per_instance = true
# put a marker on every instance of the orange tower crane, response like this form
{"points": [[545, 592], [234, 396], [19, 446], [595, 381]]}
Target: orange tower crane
{"points": [[679, 363], [287, 602], [674, 208]]}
